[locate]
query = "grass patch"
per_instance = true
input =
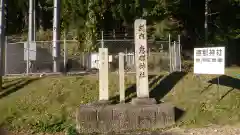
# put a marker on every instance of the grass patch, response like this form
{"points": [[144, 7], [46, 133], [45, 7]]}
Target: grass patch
{"points": [[49, 104], [205, 102]]}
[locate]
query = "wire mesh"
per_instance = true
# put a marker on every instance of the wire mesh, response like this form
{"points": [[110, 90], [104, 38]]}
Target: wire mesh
{"points": [[14, 58], [15, 63], [158, 55], [72, 59], [175, 57]]}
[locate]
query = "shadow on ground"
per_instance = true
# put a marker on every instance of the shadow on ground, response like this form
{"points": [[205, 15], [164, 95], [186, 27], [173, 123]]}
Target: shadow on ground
{"points": [[158, 91], [228, 81], [161, 86], [166, 85], [15, 85], [130, 92]]}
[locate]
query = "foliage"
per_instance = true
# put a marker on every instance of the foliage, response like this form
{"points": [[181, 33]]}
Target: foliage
{"points": [[85, 18]]}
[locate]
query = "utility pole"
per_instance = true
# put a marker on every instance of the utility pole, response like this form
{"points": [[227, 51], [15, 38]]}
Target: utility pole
{"points": [[56, 35], [34, 20], [206, 22], [30, 22], [31, 33], [2, 40]]}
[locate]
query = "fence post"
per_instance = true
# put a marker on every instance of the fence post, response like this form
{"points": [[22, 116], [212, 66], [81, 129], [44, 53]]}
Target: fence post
{"points": [[27, 70], [114, 34], [83, 60], [180, 56], [5, 56], [170, 53], [65, 53], [149, 52], [175, 56]]}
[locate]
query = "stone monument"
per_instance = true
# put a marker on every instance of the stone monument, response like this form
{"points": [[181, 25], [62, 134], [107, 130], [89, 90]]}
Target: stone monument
{"points": [[141, 50], [141, 113]]}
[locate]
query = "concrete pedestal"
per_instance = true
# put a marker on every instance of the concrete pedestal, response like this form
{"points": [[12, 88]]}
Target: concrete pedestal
{"points": [[122, 117]]}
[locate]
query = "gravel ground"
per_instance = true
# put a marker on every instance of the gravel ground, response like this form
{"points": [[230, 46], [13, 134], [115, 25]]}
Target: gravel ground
{"points": [[195, 131], [213, 131], [204, 131], [176, 131]]}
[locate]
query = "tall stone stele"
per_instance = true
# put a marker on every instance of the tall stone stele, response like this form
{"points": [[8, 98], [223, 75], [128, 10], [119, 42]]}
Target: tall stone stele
{"points": [[140, 37]]}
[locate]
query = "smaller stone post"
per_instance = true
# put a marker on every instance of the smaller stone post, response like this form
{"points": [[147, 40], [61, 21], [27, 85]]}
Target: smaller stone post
{"points": [[121, 77], [103, 74]]}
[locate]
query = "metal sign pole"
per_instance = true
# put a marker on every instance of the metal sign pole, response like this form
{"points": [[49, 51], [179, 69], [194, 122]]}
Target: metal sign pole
{"points": [[218, 94], [56, 35]]}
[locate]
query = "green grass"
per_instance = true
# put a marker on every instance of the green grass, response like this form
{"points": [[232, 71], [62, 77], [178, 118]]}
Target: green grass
{"points": [[49, 104]]}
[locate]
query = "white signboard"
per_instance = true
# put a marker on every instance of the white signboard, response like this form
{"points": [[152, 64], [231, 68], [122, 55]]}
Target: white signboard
{"points": [[140, 28], [95, 60], [110, 58], [30, 54], [209, 60]]}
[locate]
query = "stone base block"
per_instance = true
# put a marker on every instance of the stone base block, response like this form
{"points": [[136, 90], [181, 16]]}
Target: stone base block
{"points": [[143, 101], [100, 103], [123, 117]]}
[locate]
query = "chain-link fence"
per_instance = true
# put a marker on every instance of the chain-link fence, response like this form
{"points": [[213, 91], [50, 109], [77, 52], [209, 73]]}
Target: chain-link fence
{"points": [[39, 56], [175, 60], [163, 56], [158, 58]]}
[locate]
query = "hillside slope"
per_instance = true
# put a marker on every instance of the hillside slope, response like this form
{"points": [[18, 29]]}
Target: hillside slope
{"points": [[48, 104]]}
